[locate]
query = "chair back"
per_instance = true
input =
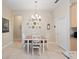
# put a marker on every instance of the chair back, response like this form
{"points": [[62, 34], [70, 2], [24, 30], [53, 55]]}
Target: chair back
{"points": [[36, 42]]}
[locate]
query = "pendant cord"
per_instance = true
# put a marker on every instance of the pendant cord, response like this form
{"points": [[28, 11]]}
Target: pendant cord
{"points": [[36, 6]]}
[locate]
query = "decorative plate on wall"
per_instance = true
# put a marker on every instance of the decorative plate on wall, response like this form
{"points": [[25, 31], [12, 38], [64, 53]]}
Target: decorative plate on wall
{"points": [[34, 23], [39, 26], [33, 27]]}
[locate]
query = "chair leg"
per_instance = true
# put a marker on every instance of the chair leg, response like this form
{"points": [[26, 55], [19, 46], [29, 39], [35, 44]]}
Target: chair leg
{"points": [[39, 51], [43, 47], [41, 44], [32, 51]]}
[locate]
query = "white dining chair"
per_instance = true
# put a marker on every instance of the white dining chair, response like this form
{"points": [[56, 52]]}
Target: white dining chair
{"points": [[45, 45], [36, 44]]}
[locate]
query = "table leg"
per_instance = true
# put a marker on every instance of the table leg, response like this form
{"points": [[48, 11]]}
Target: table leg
{"points": [[28, 46], [43, 46]]}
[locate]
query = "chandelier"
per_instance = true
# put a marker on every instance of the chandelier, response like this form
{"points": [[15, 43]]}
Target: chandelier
{"points": [[36, 15]]}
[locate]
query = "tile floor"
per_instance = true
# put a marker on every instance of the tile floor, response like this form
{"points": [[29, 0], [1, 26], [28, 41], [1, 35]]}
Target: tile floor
{"points": [[15, 51]]}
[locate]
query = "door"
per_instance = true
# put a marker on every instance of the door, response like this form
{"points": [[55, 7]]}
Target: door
{"points": [[62, 32], [18, 28]]}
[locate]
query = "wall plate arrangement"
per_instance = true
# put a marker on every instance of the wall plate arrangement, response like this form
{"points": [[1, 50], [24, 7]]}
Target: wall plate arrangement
{"points": [[34, 23]]}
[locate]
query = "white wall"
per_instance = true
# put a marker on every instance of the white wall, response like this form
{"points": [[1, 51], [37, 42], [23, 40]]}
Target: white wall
{"points": [[61, 11], [47, 18], [8, 36]]}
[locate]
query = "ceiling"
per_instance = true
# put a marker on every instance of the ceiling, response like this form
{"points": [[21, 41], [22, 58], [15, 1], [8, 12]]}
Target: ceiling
{"points": [[30, 4]]}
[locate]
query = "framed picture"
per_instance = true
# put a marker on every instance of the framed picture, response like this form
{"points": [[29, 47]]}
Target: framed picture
{"points": [[5, 25], [48, 26]]}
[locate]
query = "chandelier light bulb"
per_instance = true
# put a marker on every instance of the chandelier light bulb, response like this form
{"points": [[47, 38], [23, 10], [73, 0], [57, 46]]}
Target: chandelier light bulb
{"points": [[36, 15], [33, 17], [39, 17]]}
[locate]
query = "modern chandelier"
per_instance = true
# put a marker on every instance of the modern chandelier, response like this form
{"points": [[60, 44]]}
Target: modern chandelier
{"points": [[36, 15]]}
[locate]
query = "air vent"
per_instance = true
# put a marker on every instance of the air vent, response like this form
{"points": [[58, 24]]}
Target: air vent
{"points": [[56, 1]]}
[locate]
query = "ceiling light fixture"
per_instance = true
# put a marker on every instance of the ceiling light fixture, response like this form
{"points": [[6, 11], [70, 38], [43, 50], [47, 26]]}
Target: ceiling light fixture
{"points": [[36, 15], [56, 1]]}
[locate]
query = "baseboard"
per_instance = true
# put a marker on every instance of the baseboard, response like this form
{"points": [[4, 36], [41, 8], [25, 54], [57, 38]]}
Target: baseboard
{"points": [[65, 52], [65, 55], [6, 45]]}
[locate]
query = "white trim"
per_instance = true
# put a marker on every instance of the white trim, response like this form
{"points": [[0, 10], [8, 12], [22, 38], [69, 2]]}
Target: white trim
{"points": [[6, 45], [65, 52]]}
